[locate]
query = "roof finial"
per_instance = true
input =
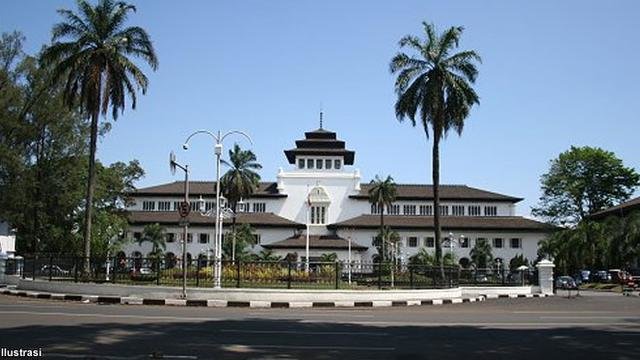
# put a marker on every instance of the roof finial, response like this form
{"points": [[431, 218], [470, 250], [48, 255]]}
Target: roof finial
{"points": [[320, 116]]}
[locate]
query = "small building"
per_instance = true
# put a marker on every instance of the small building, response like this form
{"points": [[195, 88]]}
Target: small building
{"points": [[7, 239], [320, 193]]}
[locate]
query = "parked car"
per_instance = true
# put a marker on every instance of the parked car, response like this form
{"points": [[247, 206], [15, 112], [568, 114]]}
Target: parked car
{"points": [[566, 282], [635, 275], [481, 278], [602, 276], [55, 270], [619, 276], [585, 276]]}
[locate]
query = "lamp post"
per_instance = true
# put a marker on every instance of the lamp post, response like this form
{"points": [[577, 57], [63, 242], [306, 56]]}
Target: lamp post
{"points": [[184, 212], [349, 238], [217, 147]]}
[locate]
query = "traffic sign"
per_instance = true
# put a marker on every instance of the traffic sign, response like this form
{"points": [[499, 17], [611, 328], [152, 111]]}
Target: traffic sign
{"points": [[184, 209]]}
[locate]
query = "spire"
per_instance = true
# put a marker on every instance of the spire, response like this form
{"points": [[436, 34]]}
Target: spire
{"points": [[320, 119]]}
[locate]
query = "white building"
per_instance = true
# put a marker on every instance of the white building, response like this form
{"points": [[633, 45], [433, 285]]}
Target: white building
{"points": [[321, 188], [7, 239]]}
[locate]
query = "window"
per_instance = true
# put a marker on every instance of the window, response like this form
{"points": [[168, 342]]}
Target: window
{"points": [[464, 242], [318, 215], [170, 237], [301, 163], [516, 243], [430, 242], [336, 164], [497, 243], [194, 205], [204, 238], [319, 163], [409, 209], [480, 240], [259, 207], [457, 210], [243, 207], [209, 205], [474, 210], [394, 210], [328, 163], [189, 237], [310, 163], [148, 205], [490, 211], [426, 210], [164, 205], [375, 209], [412, 241], [176, 205], [444, 210]]}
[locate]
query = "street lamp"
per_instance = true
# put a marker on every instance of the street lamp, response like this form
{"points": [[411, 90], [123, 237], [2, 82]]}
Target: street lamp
{"points": [[217, 146], [184, 212]]}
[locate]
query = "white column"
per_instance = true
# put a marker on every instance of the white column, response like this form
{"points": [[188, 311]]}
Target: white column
{"points": [[545, 276]]}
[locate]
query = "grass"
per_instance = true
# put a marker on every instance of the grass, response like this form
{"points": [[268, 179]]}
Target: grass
{"points": [[602, 287]]}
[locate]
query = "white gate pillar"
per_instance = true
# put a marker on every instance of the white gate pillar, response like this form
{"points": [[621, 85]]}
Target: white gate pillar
{"points": [[545, 276]]}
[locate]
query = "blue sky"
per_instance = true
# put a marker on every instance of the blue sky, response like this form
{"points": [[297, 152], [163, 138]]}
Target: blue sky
{"points": [[555, 74]]}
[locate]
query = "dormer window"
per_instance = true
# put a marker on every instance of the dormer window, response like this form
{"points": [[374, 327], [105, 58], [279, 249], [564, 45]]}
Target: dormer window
{"points": [[319, 163], [328, 163], [310, 163], [301, 163], [337, 163]]}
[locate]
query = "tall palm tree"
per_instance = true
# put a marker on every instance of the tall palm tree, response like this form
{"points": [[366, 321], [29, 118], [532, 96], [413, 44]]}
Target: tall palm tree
{"points": [[433, 86], [154, 234], [239, 182], [92, 54], [382, 194]]}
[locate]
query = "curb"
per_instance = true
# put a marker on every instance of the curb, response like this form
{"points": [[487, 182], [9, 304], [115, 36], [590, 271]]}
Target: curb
{"points": [[255, 304]]}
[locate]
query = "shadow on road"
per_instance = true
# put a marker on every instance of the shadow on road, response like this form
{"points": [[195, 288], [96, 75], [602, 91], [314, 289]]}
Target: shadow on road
{"points": [[286, 339]]}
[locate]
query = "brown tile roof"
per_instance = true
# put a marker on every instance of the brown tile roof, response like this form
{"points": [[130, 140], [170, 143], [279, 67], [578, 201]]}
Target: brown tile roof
{"points": [[447, 192], [511, 223], [265, 189], [619, 210], [315, 242], [172, 217], [320, 142]]}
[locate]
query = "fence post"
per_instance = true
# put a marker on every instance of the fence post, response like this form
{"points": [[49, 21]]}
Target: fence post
{"points": [[33, 267], [158, 270], [50, 267], [238, 273], [410, 276], [75, 269], [198, 273], [379, 274], [289, 274], [337, 270]]}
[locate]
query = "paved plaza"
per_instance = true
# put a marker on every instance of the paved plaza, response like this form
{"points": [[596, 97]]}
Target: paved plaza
{"points": [[592, 326]]}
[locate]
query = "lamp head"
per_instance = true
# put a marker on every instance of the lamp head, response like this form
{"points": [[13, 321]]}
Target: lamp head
{"points": [[185, 146], [172, 163]]}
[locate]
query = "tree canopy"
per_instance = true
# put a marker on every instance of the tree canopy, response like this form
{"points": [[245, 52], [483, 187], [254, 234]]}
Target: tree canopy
{"points": [[581, 182]]}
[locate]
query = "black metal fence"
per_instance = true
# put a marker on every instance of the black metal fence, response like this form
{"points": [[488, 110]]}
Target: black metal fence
{"points": [[261, 274]]}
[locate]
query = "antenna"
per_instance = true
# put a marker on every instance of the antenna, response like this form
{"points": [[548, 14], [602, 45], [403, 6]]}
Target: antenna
{"points": [[321, 113]]}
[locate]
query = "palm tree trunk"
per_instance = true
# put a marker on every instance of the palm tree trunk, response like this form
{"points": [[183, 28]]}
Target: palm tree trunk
{"points": [[90, 190], [436, 198]]}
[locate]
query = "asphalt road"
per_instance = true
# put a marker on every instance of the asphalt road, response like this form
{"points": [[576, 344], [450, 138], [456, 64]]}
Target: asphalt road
{"points": [[593, 326]]}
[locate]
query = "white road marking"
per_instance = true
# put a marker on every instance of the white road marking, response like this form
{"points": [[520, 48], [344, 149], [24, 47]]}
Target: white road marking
{"points": [[312, 347], [292, 332]]}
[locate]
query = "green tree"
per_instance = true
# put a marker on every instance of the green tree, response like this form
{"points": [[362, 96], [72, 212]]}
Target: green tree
{"points": [[581, 182], [517, 261], [329, 257], [422, 258], [267, 255], [481, 255], [92, 55], [434, 89], [382, 194], [244, 238], [239, 182], [623, 239], [154, 234]]}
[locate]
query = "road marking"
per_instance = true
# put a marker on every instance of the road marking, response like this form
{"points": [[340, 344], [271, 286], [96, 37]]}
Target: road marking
{"points": [[629, 317], [113, 357], [311, 347], [296, 315], [349, 333], [563, 312]]}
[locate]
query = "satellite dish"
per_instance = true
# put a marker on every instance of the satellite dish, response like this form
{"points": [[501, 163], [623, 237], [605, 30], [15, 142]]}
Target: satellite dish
{"points": [[172, 163]]}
